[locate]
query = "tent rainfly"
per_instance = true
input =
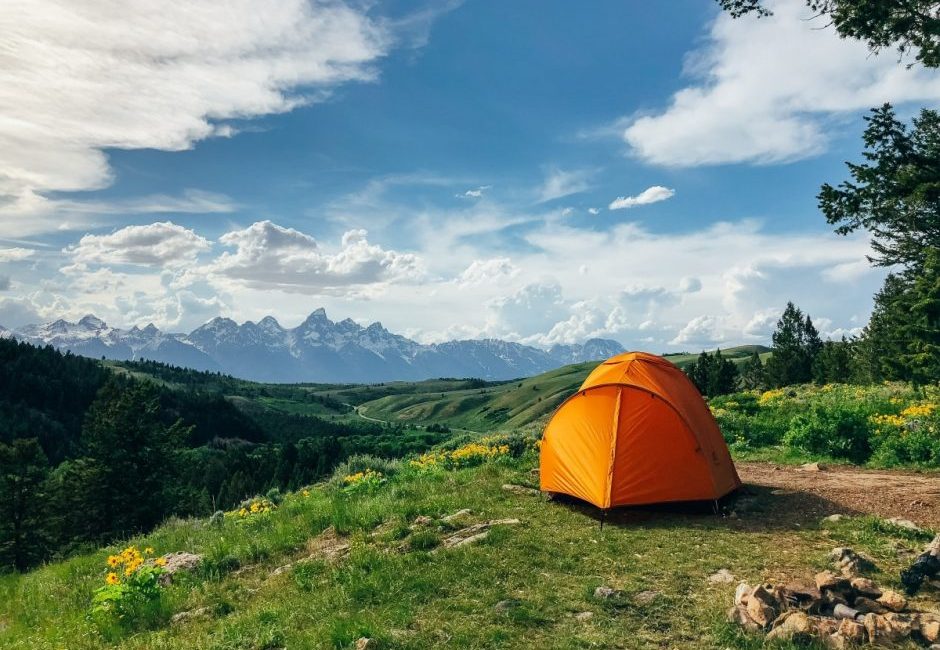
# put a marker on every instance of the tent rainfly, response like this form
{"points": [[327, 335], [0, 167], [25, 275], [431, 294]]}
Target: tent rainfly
{"points": [[636, 432]]}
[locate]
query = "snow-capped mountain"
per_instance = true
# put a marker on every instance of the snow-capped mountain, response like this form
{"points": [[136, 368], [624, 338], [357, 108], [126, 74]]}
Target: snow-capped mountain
{"points": [[317, 350]]}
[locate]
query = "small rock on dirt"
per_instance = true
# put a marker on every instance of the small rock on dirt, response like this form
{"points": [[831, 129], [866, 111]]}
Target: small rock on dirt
{"points": [[813, 467], [722, 576], [831, 519], [421, 520], [365, 643]]}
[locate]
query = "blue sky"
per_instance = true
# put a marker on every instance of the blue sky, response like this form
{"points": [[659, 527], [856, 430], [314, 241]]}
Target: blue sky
{"points": [[448, 169]]}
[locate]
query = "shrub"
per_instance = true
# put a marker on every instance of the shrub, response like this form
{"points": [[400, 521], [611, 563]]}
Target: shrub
{"points": [[836, 430], [360, 463]]}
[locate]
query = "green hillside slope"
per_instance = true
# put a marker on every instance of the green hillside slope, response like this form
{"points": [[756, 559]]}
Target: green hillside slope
{"points": [[330, 566], [507, 405]]}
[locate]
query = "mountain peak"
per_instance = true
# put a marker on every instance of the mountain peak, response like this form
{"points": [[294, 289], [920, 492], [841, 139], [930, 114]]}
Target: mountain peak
{"points": [[317, 316], [90, 321], [269, 322]]}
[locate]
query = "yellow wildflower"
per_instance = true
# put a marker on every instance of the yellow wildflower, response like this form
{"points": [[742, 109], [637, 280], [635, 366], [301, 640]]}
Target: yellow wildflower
{"points": [[160, 561], [149, 550], [112, 579], [114, 561]]}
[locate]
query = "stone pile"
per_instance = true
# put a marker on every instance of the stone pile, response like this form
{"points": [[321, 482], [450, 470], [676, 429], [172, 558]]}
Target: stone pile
{"points": [[840, 611]]}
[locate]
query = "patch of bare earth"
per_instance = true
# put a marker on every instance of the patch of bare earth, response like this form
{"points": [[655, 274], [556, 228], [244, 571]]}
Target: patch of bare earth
{"points": [[847, 490]]}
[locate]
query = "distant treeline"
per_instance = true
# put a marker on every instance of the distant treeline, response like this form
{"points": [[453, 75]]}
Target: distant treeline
{"points": [[88, 454]]}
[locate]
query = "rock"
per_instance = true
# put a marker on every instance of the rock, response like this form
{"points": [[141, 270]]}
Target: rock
{"points": [[893, 600], [866, 587], [829, 581], [520, 489], [282, 569], [474, 533], [813, 467], [465, 512], [868, 606], [739, 616], [901, 625], [761, 606], [646, 597], [421, 520], [879, 630], [365, 643], [607, 593], [824, 626], [930, 630], [722, 576], [328, 545], [854, 632], [182, 617], [583, 617], [850, 562], [831, 519], [506, 605], [792, 626], [905, 523], [741, 593], [176, 562]]}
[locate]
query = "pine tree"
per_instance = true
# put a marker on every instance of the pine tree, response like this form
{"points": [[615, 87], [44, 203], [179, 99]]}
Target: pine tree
{"points": [[24, 528], [752, 373], [834, 363], [787, 364]]}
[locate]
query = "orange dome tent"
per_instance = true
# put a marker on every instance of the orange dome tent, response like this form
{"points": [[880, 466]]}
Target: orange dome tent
{"points": [[636, 432]]}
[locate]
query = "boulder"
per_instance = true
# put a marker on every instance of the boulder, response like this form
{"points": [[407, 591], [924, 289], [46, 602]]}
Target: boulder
{"points": [[829, 581], [930, 630], [869, 606], [893, 600], [761, 606], [880, 630], [792, 626], [741, 593], [866, 587], [852, 631], [176, 562], [738, 615]]}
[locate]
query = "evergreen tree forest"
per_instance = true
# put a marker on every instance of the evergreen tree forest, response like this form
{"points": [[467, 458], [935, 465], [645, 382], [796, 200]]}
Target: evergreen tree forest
{"points": [[88, 454]]}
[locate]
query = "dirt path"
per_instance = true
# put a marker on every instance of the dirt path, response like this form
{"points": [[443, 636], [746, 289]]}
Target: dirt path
{"points": [[849, 490]]}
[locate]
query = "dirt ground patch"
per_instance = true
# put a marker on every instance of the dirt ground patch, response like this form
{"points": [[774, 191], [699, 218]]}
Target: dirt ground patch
{"points": [[848, 490]]}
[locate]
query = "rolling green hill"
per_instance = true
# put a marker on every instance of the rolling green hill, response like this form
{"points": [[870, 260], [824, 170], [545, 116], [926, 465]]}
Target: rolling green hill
{"points": [[506, 405]]}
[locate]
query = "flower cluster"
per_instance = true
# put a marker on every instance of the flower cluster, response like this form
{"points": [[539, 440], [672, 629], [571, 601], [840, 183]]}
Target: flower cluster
{"points": [[888, 419], [367, 479], [469, 455], [131, 584], [127, 563], [770, 396], [919, 411], [253, 507]]}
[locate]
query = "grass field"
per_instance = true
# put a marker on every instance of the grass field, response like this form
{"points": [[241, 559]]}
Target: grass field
{"points": [[521, 587], [508, 405]]}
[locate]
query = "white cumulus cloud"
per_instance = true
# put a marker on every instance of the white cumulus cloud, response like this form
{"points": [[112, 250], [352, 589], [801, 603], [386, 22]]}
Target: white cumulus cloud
{"points": [[269, 256], [15, 254], [653, 194], [157, 244], [487, 271], [766, 91], [559, 183]]}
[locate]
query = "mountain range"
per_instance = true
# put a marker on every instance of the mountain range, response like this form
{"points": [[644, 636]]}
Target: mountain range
{"points": [[317, 350]]}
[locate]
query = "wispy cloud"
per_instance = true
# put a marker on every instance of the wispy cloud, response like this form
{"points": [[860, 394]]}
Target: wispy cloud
{"points": [[559, 183], [474, 193], [653, 194]]}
